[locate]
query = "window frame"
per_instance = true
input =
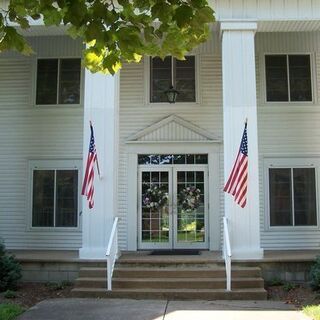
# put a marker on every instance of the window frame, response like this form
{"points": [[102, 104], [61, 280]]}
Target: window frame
{"points": [[59, 164], [147, 88], [289, 163], [35, 79], [312, 75]]}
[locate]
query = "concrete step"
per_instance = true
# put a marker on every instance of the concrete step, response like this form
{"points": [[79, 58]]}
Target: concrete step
{"points": [[185, 283], [237, 272], [170, 283], [165, 261], [172, 294], [127, 272]]}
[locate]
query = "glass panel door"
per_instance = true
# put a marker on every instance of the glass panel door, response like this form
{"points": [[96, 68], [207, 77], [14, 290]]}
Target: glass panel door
{"points": [[155, 208], [173, 207], [190, 210]]}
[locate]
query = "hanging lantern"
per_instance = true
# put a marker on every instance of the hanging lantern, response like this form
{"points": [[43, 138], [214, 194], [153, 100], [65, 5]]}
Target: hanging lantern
{"points": [[171, 94]]}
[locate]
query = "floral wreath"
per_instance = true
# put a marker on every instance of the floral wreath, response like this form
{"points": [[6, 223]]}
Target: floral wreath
{"points": [[155, 197], [189, 198]]}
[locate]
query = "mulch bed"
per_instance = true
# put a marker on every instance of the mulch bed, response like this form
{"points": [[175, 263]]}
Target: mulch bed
{"points": [[29, 294], [299, 296]]}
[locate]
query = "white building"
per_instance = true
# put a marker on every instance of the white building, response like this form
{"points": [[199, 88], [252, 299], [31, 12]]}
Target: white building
{"points": [[261, 62]]}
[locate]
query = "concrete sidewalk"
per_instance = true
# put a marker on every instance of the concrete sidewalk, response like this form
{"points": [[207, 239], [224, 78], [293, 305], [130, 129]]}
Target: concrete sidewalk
{"points": [[122, 309]]}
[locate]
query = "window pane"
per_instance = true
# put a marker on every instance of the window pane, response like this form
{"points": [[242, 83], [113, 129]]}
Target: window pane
{"points": [[160, 78], [47, 77], [69, 90], [201, 159], [185, 81], [43, 198], [280, 197], [277, 78], [67, 198], [300, 78], [305, 212]]}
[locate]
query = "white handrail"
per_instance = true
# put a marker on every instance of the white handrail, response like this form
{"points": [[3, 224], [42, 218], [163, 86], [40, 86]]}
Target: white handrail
{"points": [[227, 252], [112, 252]]}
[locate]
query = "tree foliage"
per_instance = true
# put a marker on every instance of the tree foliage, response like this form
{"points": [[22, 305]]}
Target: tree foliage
{"points": [[114, 31]]}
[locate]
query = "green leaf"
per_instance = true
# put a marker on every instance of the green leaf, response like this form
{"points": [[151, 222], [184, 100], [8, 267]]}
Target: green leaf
{"points": [[205, 15], [183, 15], [23, 22], [51, 17]]}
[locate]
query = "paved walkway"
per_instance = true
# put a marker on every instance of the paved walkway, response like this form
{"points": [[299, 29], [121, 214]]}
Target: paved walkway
{"points": [[121, 309]]}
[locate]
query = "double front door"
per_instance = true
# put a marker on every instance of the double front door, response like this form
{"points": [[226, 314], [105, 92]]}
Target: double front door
{"points": [[173, 207]]}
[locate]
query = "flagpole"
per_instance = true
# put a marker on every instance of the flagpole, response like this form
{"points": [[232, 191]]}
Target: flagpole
{"points": [[98, 169]]}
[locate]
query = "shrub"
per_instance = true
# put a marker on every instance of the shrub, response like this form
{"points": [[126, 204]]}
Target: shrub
{"points": [[9, 294], [66, 283], [315, 275], [275, 282], [10, 270], [289, 286], [58, 285]]}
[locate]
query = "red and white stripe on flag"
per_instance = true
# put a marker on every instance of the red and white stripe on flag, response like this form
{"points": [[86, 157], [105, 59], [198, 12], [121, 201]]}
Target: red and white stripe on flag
{"points": [[237, 184], [88, 181]]}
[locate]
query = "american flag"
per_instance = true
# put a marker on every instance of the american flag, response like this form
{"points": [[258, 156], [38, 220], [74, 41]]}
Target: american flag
{"points": [[88, 186], [237, 183]]}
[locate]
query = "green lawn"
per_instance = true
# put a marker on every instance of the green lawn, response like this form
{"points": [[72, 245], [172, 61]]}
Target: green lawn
{"points": [[312, 311], [10, 311]]}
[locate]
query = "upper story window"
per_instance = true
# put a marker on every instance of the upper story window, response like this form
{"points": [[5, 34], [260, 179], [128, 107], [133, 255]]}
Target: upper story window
{"points": [[288, 78], [292, 196], [55, 196], [178, 73], [58, 81]]}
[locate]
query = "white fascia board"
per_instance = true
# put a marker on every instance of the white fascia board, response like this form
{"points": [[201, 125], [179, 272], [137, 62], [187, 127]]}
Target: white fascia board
{"points": [[237, 25]]}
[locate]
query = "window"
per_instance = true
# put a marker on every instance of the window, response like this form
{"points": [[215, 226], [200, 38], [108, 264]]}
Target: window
{"points": [[288, 78], [55, 197], [170, 71], [292, 197], [58, 81], [162, 159]]}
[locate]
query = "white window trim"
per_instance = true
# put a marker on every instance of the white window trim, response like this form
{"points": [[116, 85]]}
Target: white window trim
{"points": [[147, 85], [289, 162], [34, 81], [263, 86], [59, 164]]}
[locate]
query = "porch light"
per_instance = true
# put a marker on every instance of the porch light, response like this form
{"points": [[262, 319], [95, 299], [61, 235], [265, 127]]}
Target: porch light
{"points": [[171, 94]]}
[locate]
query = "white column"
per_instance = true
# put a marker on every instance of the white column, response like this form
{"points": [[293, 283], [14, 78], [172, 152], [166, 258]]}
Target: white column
{"points": [[101, 107], [239, 103]]}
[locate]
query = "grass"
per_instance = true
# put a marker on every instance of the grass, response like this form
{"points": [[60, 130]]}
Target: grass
{"points": [[9, 311], [312, 311]]}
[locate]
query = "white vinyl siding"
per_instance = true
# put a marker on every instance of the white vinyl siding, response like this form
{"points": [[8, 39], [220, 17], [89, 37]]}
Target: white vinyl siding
{"points": [[287, 130], [283, 129], [56, 133], [30, 133], [136, 115]]}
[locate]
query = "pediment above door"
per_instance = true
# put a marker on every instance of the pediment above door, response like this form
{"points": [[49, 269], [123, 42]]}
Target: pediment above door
{"points": [[173, 129]]}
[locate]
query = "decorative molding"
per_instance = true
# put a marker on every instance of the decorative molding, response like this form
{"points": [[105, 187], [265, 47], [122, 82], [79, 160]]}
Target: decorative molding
{"points": [[173, 129]]}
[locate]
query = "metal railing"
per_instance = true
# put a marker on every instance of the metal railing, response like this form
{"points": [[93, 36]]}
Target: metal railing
{"points": [[112, 252], [227, 252]]}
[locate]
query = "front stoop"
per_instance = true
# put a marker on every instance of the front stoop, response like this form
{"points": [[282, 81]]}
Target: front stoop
{"points": [[190, 281]]}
